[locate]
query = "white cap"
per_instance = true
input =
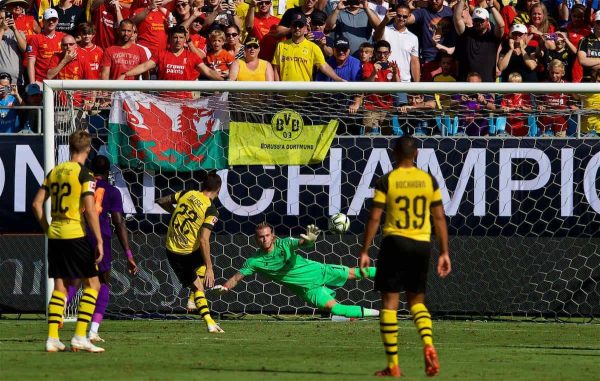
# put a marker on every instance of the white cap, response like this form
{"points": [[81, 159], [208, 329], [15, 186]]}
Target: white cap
{"points": [[519, 28], [481, 13], [50, 13]]}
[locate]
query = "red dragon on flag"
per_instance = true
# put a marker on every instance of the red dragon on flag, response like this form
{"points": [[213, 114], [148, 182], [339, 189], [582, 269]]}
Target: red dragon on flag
{"points": [[170, 135]]}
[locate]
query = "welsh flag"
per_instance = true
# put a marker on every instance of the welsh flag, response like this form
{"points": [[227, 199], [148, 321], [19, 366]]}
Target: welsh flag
{"points": [[165, 134]]}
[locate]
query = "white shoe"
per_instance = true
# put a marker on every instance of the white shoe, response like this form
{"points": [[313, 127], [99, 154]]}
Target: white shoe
{"points": [[191, 306], [54, 345], [94, 337], [214, 328], [80, 343]]}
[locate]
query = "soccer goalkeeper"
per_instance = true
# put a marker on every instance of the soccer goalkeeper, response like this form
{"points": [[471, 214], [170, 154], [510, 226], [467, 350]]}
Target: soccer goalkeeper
{"points": [[277, 260]]}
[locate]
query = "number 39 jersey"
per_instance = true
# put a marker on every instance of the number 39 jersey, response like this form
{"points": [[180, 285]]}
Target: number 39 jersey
{"points": [[407, 194], [193, 211], [67, 184]]}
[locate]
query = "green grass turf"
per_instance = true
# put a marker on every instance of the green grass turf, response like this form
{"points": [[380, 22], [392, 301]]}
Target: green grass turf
{"points": [[313, 350]]}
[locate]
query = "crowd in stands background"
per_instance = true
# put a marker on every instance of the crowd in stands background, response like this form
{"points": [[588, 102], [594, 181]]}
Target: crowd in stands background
{"points": [[324, 40]]}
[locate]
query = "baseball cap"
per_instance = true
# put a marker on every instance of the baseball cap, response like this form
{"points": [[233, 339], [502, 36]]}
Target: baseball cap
{"points": [[318, 17], [481, 14], [50, 13], [341, 43], [252, 41], [519, 28], [33, 89], [300, 18]]}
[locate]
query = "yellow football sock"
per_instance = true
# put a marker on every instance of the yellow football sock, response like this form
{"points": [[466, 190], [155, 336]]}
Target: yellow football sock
{"points": [[202, 305], [388, 326], [422, 320], [200, 271], [87, 304], [56, 308]]}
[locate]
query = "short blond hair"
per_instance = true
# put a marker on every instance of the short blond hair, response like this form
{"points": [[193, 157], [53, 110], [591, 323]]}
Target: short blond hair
{"points": [[557, 64], [79, 141], [217, 33], [515, 77]]}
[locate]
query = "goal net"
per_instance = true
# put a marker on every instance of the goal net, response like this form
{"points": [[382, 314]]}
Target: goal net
{"points": [[517, 165]]}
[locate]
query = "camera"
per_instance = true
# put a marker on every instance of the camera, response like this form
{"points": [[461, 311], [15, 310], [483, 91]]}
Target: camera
{"points": [[8, 15], [552, 36], [206, 8], [351, 3], [317, 35], [384, 64], [6, 89]]}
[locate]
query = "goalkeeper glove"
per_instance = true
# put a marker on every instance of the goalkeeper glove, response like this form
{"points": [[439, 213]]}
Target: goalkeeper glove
{"points": [[311, 234], [220, 289]]}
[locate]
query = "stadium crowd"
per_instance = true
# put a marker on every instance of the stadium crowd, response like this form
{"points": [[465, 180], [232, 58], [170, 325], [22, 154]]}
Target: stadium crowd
{"points": [[323, 40]]}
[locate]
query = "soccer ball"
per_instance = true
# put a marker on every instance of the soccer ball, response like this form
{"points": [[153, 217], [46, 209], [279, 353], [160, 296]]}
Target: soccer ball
{"points": [[339, 223]]}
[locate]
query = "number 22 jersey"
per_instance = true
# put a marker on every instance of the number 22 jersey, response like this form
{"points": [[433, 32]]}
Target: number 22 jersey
{"points": [[407, 194], [67, 184], [193, 211]]}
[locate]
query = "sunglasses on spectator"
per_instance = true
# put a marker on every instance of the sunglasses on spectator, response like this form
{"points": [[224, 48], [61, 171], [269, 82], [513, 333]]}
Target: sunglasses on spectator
{"points": [[402, 17], [231, 34], [183, 5], [263, 3], [255, 47]]}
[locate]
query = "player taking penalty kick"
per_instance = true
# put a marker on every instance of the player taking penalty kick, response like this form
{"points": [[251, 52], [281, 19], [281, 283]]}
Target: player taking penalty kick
{"points": [[276, 259], [188, 240], [70, 187], [410, 197]]}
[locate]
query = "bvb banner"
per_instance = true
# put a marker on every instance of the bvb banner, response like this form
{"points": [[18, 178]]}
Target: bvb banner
{"points": [[286, 141]]}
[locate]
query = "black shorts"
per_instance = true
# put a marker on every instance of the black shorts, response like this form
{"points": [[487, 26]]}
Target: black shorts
{"points": [[402, 265], [71, 258], [185, 265]]}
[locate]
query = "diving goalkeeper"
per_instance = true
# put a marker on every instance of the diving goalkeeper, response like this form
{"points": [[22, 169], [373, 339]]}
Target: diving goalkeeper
{"points": [[276, 259]]}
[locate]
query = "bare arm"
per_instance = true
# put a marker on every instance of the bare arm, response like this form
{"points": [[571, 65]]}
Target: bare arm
{"points": [[234, 69], [105, 73], [38, 208], [276, 76], [166, 203], [210, 73], [586, 61], [139, 69], [499, 23], [209, 275], [91, 217], [380, 30], [415, 69], [332, 19], [459, 23], [441, 232], [373, 19], [121, 229], [19, 36], [234, 280], [31, 69], [249, 21], [371, 231], [139, 17], [270, 73]]}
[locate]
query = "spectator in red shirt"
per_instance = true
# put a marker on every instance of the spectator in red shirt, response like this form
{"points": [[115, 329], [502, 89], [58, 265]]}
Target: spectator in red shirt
{"points": [[218, 58], [24, 22], [260, 23], [92, 52], [106, 16], [556, 120], [124, 56], [178, 63], [152, 24], [42, 47]]}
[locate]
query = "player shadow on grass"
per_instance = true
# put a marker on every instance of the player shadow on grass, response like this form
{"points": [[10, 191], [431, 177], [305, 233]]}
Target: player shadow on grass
{"points": [[265, 370]]}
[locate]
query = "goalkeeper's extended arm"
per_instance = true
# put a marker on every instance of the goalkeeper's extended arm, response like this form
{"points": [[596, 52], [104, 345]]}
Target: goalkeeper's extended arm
{"points": [[231, 283], [312, 232]]}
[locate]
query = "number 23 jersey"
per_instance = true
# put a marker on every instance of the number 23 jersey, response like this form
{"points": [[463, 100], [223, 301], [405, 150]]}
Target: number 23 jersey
{"points": [[67, 184], [193, 211], [407, 194]]}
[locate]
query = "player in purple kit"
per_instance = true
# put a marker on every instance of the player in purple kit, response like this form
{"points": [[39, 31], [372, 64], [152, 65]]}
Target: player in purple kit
{"points": [[109, 205]]}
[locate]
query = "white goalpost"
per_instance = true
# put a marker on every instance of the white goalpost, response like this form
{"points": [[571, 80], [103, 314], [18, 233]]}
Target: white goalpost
{"points": [[523, 212]]}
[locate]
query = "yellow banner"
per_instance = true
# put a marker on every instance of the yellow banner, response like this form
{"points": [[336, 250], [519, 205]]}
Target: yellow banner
{"points": [[286, 141]]}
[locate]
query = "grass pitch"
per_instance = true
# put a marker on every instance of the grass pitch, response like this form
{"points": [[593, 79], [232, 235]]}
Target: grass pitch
{"points": [[315, 350]]}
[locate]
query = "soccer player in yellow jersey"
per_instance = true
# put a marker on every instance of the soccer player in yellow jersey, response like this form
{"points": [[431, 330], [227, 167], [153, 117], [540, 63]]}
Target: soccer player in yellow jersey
{"points": [[410, 197], [70, 187], [188, 246]]}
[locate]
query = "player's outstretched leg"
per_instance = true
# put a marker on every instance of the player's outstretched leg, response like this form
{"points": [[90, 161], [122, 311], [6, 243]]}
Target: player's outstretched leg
{"points": [[87, 304], [101, 304], [388, 327], [56, 309], [202, 305], [353, 311], [422, 320]]}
